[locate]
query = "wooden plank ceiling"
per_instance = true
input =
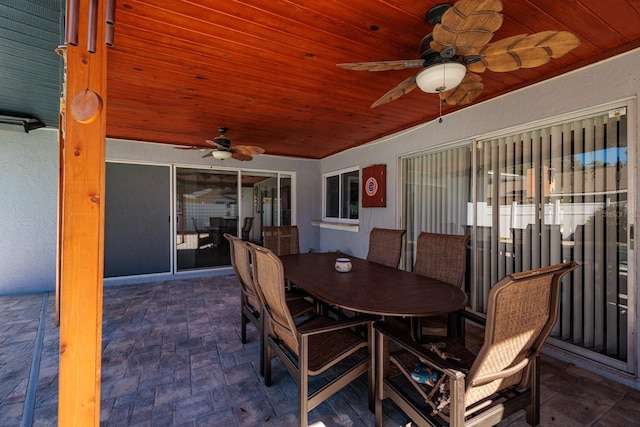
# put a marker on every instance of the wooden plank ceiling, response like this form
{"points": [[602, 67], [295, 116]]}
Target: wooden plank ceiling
{"points": [[267, 69]]}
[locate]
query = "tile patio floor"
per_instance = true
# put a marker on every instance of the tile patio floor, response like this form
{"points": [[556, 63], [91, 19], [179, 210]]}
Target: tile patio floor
{"points": [[172, 357]]}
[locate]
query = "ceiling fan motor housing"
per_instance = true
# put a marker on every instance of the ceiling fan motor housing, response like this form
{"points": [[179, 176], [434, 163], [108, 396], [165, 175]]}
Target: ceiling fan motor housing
{"points": [[434, 15], [223, 141]]}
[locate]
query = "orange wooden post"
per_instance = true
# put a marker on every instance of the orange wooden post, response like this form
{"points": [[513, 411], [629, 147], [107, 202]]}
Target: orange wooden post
{"points": [[81, 234]]}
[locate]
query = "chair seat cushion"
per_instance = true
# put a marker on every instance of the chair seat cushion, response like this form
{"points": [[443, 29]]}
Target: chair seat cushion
{"points": [[327, 349]]}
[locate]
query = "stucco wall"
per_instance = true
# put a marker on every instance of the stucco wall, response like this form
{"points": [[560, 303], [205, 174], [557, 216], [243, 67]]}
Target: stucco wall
{"points": [[28, 206], [29, 189]]}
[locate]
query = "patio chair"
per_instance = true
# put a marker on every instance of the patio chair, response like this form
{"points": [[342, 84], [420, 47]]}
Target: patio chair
{"points": [[250, 306], [442, 257], [385, 246], [204, 237], [282, 239], [314, 346], [442, 383]]}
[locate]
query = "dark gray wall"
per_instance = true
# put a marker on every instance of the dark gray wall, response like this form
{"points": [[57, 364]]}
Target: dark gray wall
{"points": [[137, 233]]}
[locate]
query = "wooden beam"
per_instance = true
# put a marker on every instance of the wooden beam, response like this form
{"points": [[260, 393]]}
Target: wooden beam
{"points": [[81, 234]]}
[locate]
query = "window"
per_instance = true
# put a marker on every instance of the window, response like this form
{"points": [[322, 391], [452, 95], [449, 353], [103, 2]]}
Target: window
{"points": [[342, 195]]}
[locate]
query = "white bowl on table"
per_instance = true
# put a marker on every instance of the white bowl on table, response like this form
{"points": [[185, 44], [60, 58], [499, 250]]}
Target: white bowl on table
{"points": [[343, 265]]}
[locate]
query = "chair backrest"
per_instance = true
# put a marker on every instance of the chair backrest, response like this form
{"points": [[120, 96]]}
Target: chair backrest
{"points": [[241, 263], [282, 239], [195, 225], [522, 310], [442, 257], [268, 276], [385, 246], [215, 221]]}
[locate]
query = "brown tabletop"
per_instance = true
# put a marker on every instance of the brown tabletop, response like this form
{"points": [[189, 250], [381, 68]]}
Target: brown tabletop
{"points": [[371, 288]]}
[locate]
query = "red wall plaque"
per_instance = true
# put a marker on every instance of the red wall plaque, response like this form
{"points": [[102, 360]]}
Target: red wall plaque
{"points": [[374, 186]]}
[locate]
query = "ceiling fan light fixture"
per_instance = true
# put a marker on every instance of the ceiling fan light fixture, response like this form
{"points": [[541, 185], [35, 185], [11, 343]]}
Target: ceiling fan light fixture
{"points": [[221, 155], [441, 77]]}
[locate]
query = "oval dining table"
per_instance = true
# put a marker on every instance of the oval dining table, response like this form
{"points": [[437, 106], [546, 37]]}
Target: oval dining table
{"points": [[371, 288]]}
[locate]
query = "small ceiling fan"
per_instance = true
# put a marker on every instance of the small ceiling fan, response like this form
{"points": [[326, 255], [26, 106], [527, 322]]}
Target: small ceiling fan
{"points": [[459, 47], [223, 150]]}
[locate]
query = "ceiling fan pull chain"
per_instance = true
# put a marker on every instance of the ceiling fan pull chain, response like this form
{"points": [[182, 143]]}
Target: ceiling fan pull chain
{"points": [[444, 79]]}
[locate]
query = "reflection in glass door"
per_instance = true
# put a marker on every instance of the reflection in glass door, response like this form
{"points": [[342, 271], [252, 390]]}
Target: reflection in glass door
{"points": [[276, 200], [210, 203], [206, 208], [252, 211]]}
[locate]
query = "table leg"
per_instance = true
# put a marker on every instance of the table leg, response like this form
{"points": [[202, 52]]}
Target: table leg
{"points": [[372, 367], [456, 326]]}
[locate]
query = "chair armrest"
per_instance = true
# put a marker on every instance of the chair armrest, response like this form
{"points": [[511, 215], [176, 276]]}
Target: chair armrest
{"points": [[405, 341], [320, 325]]}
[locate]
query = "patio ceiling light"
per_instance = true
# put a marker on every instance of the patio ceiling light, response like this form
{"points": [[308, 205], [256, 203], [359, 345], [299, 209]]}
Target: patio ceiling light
{"points": [[441, 77], [221, 154]]}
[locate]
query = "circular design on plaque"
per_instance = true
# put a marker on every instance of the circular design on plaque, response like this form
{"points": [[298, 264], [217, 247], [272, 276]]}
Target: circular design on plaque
{"points": [[371, 186]]}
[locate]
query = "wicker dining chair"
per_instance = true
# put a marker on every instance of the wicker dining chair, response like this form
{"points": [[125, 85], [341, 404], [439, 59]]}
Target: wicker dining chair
{"points": [[385, 246], [442, 383], [250, 305], [281, 239], [442, 257], [312, 347]]}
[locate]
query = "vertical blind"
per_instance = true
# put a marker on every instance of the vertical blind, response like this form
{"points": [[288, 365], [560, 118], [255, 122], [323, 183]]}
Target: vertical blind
{"points": [[437, 193], [556, 194], [543, 196]]}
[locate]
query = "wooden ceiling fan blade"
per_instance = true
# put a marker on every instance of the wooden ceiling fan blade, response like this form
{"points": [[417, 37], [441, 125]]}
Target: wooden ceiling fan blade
{"points": [[466, 92], [525, 51], [403, 88], [208, 154], [558, 43], [468, 25], [383, 65], [470, 7], [191, 147], [241, 156], [248, 149]]}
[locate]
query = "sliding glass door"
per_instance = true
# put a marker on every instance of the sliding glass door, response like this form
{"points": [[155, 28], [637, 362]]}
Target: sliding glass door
{"points": [[437, 194], [206, 208], [542, 196], [210, 203]]}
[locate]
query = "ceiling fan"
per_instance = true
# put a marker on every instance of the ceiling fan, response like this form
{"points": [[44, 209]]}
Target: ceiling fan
{"points": [[459, 47], [223, 150]]}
